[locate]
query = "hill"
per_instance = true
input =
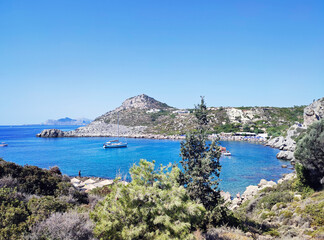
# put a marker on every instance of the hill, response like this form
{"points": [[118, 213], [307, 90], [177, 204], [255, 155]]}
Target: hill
{"points": [[142, 115]]}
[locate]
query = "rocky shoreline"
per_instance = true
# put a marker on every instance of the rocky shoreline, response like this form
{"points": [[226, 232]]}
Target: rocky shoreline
{"points": [[252, 190]]}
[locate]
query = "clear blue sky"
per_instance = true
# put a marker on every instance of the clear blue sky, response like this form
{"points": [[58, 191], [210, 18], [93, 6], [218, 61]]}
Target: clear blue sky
{"points": [[83, 58]]}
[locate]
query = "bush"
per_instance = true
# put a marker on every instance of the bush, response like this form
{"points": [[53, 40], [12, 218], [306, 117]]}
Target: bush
{"points": [[63, 226], [31, 179], [310, 153], [42, 208], [272, 198], [55, 170], [13, 214], [152, 206]]}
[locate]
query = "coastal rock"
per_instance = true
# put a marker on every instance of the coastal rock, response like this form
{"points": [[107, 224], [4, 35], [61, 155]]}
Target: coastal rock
{"points": [[51, 133], [314, 112], [285, 155]]}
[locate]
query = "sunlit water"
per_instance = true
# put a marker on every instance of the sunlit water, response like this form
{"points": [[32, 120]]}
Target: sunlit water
{"points": [[248, 164]]}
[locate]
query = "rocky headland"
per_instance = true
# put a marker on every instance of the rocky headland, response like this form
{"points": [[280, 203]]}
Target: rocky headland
{"points": [[287, 145]]}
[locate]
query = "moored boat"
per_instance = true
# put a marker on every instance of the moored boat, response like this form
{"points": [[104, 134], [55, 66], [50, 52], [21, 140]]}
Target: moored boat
{"points": [[114, 144], [3, 144]]}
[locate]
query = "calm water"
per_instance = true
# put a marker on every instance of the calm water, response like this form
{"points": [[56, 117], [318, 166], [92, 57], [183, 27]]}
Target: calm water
{"points": [[247, 165]]}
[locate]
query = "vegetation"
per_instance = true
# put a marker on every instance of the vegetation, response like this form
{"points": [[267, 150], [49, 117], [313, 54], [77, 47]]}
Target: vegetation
{"points": [[310, 153], [30, 196], [201, 169], [152, 206]]}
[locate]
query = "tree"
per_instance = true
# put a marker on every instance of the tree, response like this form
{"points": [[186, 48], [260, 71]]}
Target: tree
{"points": [[201, 166], [310, 153], [152, 206]]}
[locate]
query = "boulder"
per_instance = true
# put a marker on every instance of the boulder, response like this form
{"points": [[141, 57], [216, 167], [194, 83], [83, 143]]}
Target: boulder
{"points": [[51, 133], [285, 155]]}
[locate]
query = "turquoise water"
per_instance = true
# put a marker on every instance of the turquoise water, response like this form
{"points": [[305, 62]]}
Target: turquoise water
{"points": [[248, 164]]}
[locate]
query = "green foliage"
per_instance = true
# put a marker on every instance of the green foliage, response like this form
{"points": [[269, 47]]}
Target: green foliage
{"points": [[201, 169], [201, 113], [301, 184], [31, 179], [152, 206], [42, 208], [310, 153], [102, 191], [272, 198], [13, 215], [228, 128], [316, 212]]}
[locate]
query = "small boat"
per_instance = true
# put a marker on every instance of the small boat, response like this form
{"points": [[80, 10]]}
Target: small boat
{"points": [[226, 153], [3, 144], [115, 143]]}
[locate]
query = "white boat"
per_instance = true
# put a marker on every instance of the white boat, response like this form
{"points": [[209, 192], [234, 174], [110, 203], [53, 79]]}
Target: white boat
{"points": [[3, 144], [226, 153], [115, 143]]}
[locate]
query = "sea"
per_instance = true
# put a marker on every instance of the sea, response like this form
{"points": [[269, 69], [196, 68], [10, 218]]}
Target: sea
{"points": [[249, 163]]}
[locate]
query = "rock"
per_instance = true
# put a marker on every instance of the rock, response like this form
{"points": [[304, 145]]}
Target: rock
{"points": [[284, 166], [51, 133], [89, 181], [250, 192], [226, 196], [285, 155], [314, 112], [75, 180]]}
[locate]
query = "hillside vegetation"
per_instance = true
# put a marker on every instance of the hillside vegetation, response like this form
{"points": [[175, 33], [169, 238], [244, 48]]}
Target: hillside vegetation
{"points": [[272, 120]]}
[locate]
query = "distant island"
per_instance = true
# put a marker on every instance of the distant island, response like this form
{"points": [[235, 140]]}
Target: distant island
{"points": [[68, 121]]}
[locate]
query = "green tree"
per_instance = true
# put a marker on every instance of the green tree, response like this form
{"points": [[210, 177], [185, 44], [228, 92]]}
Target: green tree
{"points": [[152, 206], [201, 113], [201, 166], [310, 153]]}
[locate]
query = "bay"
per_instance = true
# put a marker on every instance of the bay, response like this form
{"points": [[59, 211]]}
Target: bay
{"points": [[248, 164]]}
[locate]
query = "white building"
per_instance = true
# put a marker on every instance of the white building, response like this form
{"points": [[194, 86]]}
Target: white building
{"points": [[153, 110]]}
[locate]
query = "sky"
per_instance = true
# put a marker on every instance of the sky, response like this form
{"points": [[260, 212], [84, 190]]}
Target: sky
{"points": [[82, 58]]}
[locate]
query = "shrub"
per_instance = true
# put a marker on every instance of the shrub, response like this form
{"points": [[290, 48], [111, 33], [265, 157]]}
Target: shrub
{"points": [[42, 208], [316, 213], [13, 214], [310, 153], [152, 206], [55, 170], [31, 179], [63, 226], [272, 198]]}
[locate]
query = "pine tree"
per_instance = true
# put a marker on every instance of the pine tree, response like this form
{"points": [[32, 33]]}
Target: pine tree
{"points": [[200, 162]]}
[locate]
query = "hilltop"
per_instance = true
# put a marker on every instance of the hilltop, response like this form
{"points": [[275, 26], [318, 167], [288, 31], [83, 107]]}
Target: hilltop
{"points": [[143, 116]]}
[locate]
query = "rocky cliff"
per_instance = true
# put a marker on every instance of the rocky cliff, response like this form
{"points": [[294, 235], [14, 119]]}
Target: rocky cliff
{"points": [[287, 145]]}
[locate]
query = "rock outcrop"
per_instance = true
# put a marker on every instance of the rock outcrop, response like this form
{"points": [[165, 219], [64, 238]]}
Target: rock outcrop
{"points": [[51, 133], [314, 112], [252, 190]]}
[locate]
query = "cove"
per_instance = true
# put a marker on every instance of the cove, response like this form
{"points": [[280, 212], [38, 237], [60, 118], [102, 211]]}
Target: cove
{"points": [[248, 164]]}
